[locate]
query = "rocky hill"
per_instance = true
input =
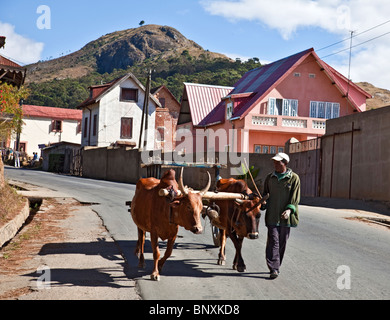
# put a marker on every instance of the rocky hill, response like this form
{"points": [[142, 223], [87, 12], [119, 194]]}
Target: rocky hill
{"points": [[118, 50], [381, 97]]}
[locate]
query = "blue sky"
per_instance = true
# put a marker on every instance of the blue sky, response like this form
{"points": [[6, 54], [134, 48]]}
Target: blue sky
{"points": [[266, 29]]}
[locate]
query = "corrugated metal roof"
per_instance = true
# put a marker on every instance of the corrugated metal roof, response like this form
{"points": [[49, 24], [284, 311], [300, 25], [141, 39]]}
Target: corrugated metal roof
{"points": [[7, 62], [31, 111], [203, 98], [258, 81]]}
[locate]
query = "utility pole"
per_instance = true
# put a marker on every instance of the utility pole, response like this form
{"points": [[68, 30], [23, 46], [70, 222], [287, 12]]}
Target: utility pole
{"points": [[145, 113], [349, 64]]}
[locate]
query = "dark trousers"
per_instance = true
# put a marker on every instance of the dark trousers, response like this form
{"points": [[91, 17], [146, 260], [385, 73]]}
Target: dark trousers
{"points": [[276, 245]]}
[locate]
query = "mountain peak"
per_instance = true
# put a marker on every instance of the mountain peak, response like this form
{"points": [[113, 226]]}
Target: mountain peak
{"points": [[118, 50]]}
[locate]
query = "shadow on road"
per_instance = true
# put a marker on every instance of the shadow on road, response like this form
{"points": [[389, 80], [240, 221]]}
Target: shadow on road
{"points": [[83, 274], [197, 268]]}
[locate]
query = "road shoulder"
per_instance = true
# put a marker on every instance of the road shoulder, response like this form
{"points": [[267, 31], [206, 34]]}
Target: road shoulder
{"points": [[64, 253]]}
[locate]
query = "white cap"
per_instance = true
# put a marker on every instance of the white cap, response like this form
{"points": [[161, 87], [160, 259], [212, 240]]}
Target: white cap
{"points": [[281, 156]]}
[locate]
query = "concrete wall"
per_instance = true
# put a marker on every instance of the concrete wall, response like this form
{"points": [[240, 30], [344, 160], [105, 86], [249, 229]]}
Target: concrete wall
{"points": [[123, 165], [363, 173], [113, 164]]}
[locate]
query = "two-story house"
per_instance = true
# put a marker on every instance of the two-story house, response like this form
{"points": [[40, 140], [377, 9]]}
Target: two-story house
{"points": [[269, 105], [112, 114], [43, 126]]}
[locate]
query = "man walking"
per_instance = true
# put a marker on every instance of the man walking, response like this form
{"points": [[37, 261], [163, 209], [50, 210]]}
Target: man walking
{"points": [[283, 187]]}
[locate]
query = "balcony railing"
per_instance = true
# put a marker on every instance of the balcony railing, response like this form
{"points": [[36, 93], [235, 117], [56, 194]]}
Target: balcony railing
{"points": [[264, 121], [289, 122]]}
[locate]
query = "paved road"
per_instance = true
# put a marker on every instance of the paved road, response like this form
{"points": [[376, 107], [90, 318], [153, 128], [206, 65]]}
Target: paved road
{"points": [[324, 244]]}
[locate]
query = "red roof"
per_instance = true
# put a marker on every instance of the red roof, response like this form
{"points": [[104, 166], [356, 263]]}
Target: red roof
{"points": [[30, 111], [97, 91], [203, 98], [257, 83], [7, 62]]}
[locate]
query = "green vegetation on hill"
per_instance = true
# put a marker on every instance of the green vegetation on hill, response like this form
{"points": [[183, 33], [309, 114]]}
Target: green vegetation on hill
{"points": [[172, 72]]}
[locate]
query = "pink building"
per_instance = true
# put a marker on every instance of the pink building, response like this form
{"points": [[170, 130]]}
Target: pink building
{"points": [[289, 98]]}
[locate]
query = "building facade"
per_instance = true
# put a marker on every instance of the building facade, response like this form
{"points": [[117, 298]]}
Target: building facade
{"points": [[290, 98], [112, 114], [43, 126]]}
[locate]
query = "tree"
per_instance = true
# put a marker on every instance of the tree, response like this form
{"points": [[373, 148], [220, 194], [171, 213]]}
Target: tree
{"points": [[142, 22], [11, 111]]}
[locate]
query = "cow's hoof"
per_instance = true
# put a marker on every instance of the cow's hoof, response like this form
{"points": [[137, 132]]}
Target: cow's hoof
{"points": [[241, 268], [155, 277], [221, 262]]}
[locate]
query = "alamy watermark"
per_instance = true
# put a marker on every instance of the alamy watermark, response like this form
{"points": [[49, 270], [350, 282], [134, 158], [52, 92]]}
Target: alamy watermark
{"points": [[44, 20], [43, 281], [199, 145], [344, 17], [344, 281]]}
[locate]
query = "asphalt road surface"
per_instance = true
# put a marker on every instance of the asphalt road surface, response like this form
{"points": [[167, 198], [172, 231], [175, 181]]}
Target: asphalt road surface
{"points": [[327, 256]]}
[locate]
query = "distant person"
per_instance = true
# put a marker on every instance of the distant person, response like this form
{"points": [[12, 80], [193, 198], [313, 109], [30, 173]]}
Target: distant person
{"points": [[16, 158], [283, 187], [34, 159]]}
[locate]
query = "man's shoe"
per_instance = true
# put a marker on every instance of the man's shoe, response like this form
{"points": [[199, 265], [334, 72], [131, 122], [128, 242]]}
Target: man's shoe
{"points": [[274, 274]]}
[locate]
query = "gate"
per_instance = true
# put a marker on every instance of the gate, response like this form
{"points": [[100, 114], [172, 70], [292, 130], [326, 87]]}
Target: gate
{"points": [[76, 168], [305, 160]]}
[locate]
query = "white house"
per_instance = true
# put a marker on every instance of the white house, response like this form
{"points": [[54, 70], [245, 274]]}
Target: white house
{"points": [[112, 114], [47, 125]]}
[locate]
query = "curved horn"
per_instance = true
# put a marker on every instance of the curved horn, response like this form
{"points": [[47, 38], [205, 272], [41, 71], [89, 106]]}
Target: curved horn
{"points": [[239, 201], [207, 187], [180, 182]]}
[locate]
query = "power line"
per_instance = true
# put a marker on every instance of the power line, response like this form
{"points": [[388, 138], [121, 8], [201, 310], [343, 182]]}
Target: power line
{"points": [[356, 45], [357, 34]]}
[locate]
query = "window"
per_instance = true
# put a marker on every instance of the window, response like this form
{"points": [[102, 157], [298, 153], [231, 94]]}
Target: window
{"points": [[297, 74], [94, 125], [126, 128], [56, 126], [162, 102], [160, 134], [285, 107], [78, 128], [257, 148], [129, 94], [321, 109], [324, 110], [229, 110], [85, 127], [312, 75]]}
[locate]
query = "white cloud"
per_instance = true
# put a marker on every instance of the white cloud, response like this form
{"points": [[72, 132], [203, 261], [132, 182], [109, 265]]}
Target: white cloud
{"points": [[339, 17], [19, 48]]}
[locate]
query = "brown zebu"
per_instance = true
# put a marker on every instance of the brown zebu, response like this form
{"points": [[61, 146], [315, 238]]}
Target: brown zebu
{"points": [[238, 219], [161, 217]]}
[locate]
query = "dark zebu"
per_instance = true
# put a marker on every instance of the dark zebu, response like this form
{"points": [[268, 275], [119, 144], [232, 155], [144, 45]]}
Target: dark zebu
{"points": [[237, 219]]}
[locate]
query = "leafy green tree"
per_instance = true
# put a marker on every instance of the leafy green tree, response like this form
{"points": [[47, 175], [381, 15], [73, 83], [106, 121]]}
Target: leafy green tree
{"points": [[11, 111]]}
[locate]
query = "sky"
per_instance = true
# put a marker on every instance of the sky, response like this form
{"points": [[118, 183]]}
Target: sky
{"points": [[265, 29]]}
